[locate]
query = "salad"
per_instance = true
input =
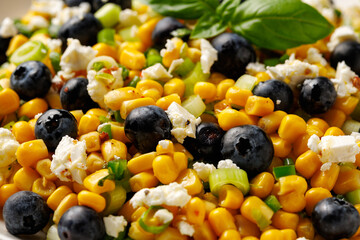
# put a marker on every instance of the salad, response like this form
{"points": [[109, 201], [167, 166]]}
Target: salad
{"points": [[181, 119]]}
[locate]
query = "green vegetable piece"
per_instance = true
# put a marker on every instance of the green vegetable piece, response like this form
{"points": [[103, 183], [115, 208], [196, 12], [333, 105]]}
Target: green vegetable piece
{"points": [[55, 60], [22, 28], [234, 176], [196, 75], [97, 66], [127, 34], [125, 71], [283, 171], [29, 51], [114, 200], [209, 25], [273, 203], [246, 81], [108, 14], [105, 77], [261, 221], [185, 67], [107, 35], [350, 126], [151, 228], [194, 105], [353, 197], [106, 129], [116, 169], [181, 32], [153, 59], [134, 81], [117, 116]]}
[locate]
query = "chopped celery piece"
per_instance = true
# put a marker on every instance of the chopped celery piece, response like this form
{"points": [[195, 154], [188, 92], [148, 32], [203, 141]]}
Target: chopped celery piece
{"points": [[153, 59], [194, 105], [152, 52], [283, 171], [247, 82], [129, 34], [234, 176], [55, 60], [260, 218], [353, 196], [107, 36], [185, 67], [134, 81], [273, 203], [195, 75], [29, 51], [22, 28], [183, 50], [108, 14], [351, 126], [114, 200]]}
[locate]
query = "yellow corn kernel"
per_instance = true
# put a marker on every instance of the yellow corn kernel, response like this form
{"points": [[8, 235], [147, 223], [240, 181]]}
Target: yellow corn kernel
{"points": [[307, 164], [230, 234], [204, 232], [181, 160], [292, 202], [259, 106], [230, 118], [320, 123], [326, 179], [223, 87], [23, 132], [237, 96], [285, 220], [137, 213], [335, 117], [9, 101], [189, 179], [104, 49], [311, 129], [118, 132], [132, 59], [6, 191], [292, 183], [165, 169], [300, 145], [170, 56], [97, 112], [346, 104], [136, 45], [195, 211], [170, 233], [77, 187], [150, 88], [334, 131], [43, 187], [60, 183], [94, 162], [92, 200], [230, 197], [15, 43], [126, 210], [313, 196], [262, 76], [92, 180], [165, 147], [53, 99], [141, 163], [282, 148], [275, 234], [174, 85], [77, 114], [33, 107], [262, 184], [43, 168], [134, 73], [136, 232], [291, 127], [92, 140], [180, 148], [305, 229], [246, 227], [194, 54], [57, 196], [250, 238], [129, 105], [143, 180], [145, 30], [165, 102], [88, 123], [271, 122], [348, 180], [29, 153], [25, 177], [221, 220], [70, 200], [205, 90], [252, 204], [112, 148]]}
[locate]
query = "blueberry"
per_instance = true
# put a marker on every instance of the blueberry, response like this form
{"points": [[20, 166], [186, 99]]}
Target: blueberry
{"points": [[83, 28], [96, 4], [74, 95], [163, 30], [334, 218], [25, 212], [74, 3], [80, 222], [249, 147], [4, 44], [146, 126], [348, 51], [31, 79], [317, 95], [279, 92], [234, 54], [53, 125]]}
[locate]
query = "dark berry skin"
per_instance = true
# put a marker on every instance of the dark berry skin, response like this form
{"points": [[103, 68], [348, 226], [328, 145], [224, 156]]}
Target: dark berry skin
{"points": [[249, 148], [163, 30], [278, 91], [348, 51], [334, 218], [234, 54], [53, 125], [96, 4], [74, 95], [146, 126], [83, 28], [4, 44], [81, 223], [317, 95], [74, 3], [31, 79], [25, 212]]}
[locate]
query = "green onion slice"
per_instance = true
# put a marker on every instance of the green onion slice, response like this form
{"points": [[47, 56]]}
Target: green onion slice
{"points": [[273, 203], [29, 51], [114, 200], [107, 36], [146, 216], [234, 176], [116, 170], [283, 171], [105, 77], [55, 60], [134, 81]]}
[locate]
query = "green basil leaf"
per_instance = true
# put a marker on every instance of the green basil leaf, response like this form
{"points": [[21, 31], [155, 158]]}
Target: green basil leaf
{"points": [[208, 26], [279, 24], [227, 8], [185, 9]]}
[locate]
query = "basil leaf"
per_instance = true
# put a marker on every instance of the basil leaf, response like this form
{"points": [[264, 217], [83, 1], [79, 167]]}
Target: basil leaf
{"points": [[279, 24], [185, 9], [208, 26], [226, 9]]}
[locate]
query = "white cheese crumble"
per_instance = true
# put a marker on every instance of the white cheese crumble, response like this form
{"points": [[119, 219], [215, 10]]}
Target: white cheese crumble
{"points": [[54, 45], [208, 55], [50, 7], [169, 47], [334, 149], [356, 135], [8, 147], [183, 123], [173, 194], [341, 34], [342, 81], [186, 229], [227, 163], [164, 144], [203, 170], [69, 161], [128, 17], [164, 215], [156, 72], [67, 13], [7, 28], [38, 22], [114, 225], [255, 67], [314, 56], [175, 64]]}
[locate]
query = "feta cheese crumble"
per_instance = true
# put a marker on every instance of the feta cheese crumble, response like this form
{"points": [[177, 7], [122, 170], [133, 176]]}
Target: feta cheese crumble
{"points": [[208, 55], [203, 170], [314, 56], [114, 225], [54, 44], [7, 28], [227, 163], [341, 34], [255, 67], [186, 228], [343, 80], [69, 161], [128, 17], [164, 215], [50, 7], [38, 22], [183, 123], [156, 72], [8, 147], [173, 194], [67, 13]]}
